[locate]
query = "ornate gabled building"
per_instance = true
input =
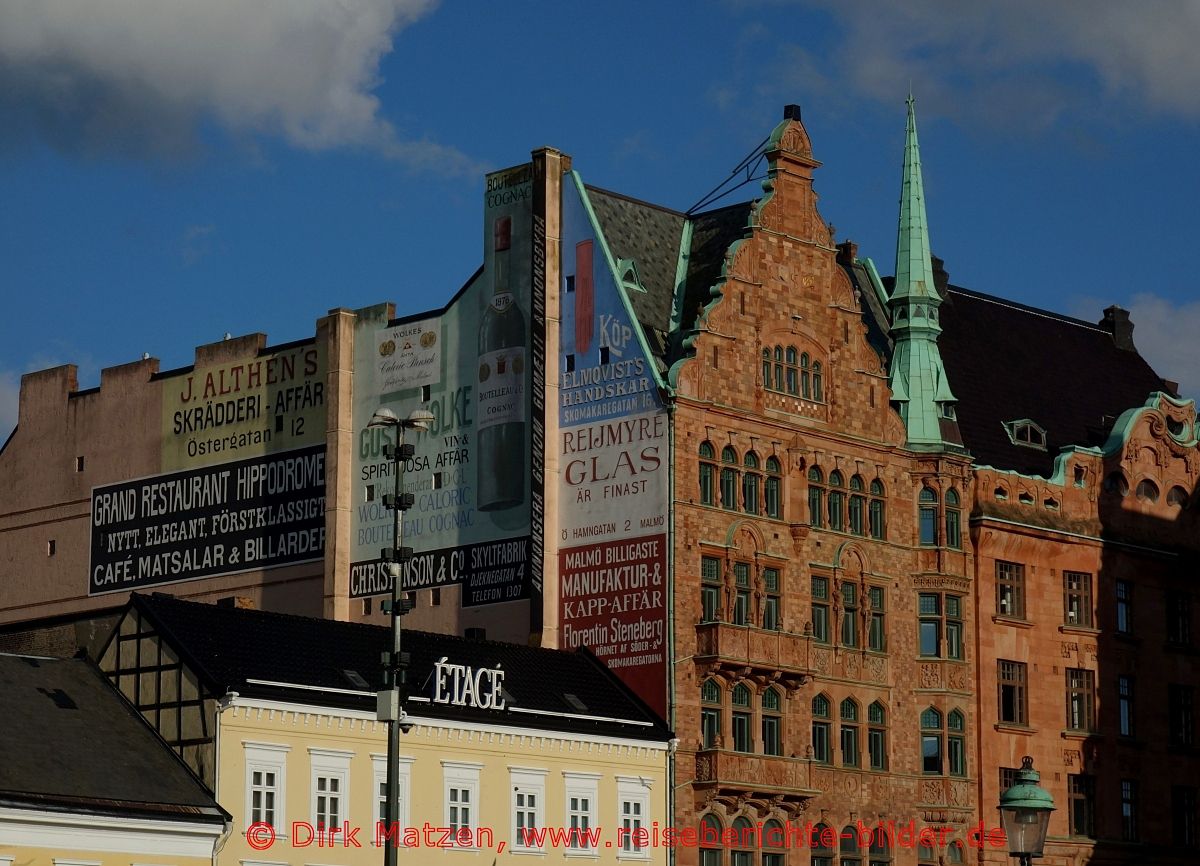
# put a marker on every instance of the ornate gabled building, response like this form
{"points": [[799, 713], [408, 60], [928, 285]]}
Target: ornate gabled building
{"points": [[804, 548]]}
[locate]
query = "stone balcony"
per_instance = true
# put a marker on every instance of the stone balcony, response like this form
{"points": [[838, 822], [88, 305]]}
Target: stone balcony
{"points": [[746, 651], [760, 779]]}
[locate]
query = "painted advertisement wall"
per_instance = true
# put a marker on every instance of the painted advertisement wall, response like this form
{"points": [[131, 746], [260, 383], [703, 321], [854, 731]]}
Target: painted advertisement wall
{"points": [[243, 446], [471, 365], [614, 468]]}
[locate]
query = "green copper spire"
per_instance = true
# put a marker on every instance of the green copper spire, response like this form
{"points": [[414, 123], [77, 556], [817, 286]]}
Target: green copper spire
{"points": [[917, 377]]}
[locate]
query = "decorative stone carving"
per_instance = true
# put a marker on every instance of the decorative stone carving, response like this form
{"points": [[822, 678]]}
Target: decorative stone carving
{"points": [[958, 677], [876, 669], [931, 676], [851, 664], [704, 768], [931, 792], [1072, 757], [820, 660], [959, 794]]}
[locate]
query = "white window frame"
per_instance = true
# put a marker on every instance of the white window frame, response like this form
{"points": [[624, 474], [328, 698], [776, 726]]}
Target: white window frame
{"points": [[527, 780], [333, 764], [462, 775], [267, 758], [403, 782], [581, 785], [633, 789]]}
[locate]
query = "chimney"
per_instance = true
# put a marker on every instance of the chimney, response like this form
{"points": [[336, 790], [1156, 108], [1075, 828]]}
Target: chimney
{"points": [[791, 112], [1171, 388], [238, 602], [1116, 322], [847, 253]]}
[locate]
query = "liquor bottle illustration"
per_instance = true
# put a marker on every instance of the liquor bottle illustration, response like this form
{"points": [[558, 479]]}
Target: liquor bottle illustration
{"points": [[585, 312], [501, 415]]}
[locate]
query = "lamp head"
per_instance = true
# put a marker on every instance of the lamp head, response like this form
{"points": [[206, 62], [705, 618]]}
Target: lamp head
{"points": [[384, 418], [1025, 812]]}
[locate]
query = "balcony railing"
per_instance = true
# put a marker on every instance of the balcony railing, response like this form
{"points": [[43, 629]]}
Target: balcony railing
{"points": [[763, 651]]}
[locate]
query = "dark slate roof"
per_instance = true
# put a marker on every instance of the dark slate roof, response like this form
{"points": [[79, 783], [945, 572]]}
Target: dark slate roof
{"points": [[1008, 362], [649, 235], [71, 741], [230, 648], [712, 234]]}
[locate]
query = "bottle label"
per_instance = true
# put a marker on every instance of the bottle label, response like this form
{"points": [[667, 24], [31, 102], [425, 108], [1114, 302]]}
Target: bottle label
{"points": [[501, 386]]}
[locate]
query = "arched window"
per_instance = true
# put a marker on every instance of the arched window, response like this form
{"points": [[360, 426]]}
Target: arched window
{"points": [[837, 502], [931, 742], [805, 377], [857, 506], [1116, 483], [849, 847], [772, 723], [877, 513], [708, 471], [740, 699], [791, 371], [710, 713], [953, 520], [774, 844], [849, 614], [822, 845], [743, 846], [751, 484], [774, 491], [711, 841], [880, 852], [849, 733], [1147, 490], [822, 749], [928, 515], [877, 736], [954, 854], [818, 395], [816, 498], [1177, 497], [956, 743], [729, 478], [925, 855]]}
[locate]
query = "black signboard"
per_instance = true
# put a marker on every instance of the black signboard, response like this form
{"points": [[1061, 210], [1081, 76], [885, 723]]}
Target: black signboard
{"points": [[490, 571], [262, 512]]}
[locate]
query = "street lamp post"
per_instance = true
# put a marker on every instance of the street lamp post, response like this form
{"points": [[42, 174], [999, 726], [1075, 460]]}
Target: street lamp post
{"points": [[390, 706], [1025, 814]]}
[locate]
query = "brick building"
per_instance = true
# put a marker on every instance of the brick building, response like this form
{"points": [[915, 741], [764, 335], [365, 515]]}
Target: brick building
{"points": [[910, 532]]}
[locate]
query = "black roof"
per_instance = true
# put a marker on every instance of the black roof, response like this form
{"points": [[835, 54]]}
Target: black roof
{"points": [[331, 663], [1007, 362], [71, 741]]}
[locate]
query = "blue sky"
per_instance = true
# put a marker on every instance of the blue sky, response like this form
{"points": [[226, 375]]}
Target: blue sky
{"points": [[172, 171]]}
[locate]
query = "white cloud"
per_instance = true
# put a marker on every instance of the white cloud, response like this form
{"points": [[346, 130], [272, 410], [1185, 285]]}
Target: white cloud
{"points": [[196, 244], [1165, 334], [1020, 62], [10, 398], [141, 76]]}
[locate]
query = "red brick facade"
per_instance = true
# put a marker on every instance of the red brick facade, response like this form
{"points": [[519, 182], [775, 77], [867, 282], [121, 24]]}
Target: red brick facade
{"points": [[784, 288]]}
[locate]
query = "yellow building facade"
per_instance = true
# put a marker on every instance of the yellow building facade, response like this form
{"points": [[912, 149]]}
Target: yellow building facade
{"points": [[511, 752], [288, 772]]}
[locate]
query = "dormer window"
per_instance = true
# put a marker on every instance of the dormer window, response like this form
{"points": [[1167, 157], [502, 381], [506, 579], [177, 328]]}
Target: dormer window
{"points": [[1027, 433]]}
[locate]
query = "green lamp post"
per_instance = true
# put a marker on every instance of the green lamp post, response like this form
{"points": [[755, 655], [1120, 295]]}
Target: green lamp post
{"points": [[1025, 814]]}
